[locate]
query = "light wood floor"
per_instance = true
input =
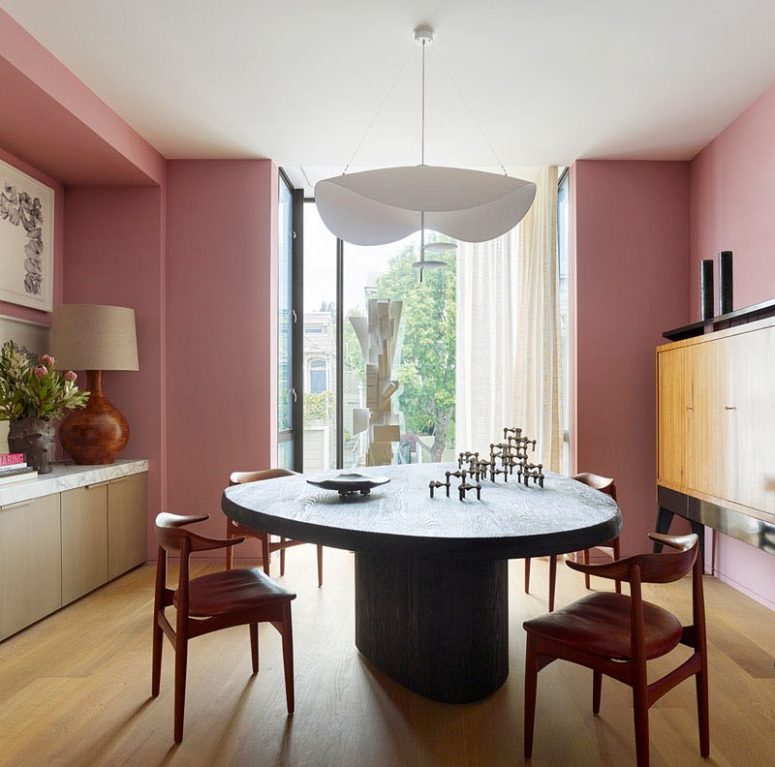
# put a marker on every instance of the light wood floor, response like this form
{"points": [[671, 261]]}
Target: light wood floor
{"points": [[74, 690]]}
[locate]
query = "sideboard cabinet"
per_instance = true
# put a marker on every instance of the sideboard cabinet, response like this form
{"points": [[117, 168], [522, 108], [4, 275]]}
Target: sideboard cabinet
{"points": [[716, 431], [65, 534]]}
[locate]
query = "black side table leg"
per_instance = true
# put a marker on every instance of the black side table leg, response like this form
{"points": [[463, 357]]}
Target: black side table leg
{"points": [[664, 520], [699, 530]]}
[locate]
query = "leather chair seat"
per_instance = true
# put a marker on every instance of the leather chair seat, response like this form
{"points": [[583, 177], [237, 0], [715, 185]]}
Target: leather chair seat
{"points": [[600, 624], [231, 591]]}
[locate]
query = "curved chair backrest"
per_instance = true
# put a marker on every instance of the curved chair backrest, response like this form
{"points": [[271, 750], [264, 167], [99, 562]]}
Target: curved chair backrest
{"points": [[171, 534], [603, 484], [241, 477], [650, 568]]}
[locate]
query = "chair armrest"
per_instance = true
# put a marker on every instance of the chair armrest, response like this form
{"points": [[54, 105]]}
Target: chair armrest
{"points": [[680, 542], [166, 519]]}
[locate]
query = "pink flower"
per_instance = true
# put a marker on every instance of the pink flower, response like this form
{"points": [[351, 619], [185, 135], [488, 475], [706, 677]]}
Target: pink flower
{"points": [[40, 371], [47, 360], [70, 376]]}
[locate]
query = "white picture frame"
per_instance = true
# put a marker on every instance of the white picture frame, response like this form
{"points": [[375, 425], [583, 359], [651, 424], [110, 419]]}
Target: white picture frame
{"points": [[26, 239]]}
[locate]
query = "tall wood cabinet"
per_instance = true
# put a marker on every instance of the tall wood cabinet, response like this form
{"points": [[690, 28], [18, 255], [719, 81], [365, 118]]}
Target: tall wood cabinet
{"points": [[716, 430], [58, 546]]}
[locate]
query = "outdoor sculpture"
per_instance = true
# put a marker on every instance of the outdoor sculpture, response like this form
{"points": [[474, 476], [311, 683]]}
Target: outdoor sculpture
{"points": [[378, 336]]}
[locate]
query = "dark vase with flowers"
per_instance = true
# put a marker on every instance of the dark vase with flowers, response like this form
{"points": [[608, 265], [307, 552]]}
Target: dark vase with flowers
{"points": [[33, 397], [35, 438]]}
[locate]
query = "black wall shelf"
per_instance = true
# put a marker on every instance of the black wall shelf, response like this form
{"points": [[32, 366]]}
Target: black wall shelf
{"points": [[723, 321]]}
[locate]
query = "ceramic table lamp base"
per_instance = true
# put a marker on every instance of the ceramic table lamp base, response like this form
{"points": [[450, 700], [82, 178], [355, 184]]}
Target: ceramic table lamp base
{"points": [[97, 433]]}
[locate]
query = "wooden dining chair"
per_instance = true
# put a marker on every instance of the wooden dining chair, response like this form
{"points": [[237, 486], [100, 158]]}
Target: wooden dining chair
{"points": [[616, 634], [209, 603], [267, 544], [604, 485]]}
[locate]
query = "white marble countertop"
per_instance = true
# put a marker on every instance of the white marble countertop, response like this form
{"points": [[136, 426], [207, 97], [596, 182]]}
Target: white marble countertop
{"points": [[67, 476]]}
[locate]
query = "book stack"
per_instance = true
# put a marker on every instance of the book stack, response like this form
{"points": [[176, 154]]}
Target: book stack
{"points": [[14, 468]]}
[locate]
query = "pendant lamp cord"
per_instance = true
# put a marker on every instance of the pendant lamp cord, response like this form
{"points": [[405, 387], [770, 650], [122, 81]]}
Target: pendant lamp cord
{"points": [[476, 122], [422, 127], [422, 155], [378, 112]]}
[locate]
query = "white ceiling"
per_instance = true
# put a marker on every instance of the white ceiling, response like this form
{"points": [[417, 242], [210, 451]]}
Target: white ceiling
{"points": [[550, 81]]}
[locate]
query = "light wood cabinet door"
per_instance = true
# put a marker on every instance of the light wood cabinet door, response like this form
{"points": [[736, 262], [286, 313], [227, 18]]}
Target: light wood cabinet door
{"points": [[30, 562], [126, 524], [84, 540], [706, 428], [672, 416], [749, 411]]}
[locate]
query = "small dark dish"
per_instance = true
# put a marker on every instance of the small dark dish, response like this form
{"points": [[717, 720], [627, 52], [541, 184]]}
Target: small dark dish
{"points": [[347, 484]]}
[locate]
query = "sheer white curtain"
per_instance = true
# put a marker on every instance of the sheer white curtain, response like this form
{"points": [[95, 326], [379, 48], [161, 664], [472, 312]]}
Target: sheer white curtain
{"points": [[508, 347]]}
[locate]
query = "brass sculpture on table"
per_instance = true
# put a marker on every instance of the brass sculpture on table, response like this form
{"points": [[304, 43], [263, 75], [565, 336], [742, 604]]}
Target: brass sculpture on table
{"points": [[505, 457]]}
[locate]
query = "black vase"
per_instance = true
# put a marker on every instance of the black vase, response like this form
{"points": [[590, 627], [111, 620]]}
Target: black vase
{"points": [[706, 289], [725, 281], [35, 438]]}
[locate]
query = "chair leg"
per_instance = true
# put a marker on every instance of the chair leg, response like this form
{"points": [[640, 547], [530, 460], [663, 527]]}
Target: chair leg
{"points": [[617, 555], [531, 685], [288, 657], [254, 646], [158, 644], [181, 659], [587, 580], [597, 690], [265, 551], [282, 558], [641, 715], [527, 575], [229, 549], [552, 580], [702, 712], [320, 566]]}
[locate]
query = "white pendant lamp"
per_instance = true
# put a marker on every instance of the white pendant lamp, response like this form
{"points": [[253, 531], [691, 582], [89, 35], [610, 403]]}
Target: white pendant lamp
{"points": [[376, 207]]}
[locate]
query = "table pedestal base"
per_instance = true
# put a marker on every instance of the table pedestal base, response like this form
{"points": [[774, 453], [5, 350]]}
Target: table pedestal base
{"points": [[438, 627]]}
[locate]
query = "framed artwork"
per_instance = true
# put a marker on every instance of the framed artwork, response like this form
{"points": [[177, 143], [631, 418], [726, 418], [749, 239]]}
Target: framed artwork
{"points": [[26, 240]]}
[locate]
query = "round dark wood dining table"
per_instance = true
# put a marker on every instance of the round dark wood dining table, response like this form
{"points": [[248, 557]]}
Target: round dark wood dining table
{"points": [[431, 586]]}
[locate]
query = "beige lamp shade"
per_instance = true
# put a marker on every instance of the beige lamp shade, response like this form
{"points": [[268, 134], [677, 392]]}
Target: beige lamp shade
{"points": [[93, 337]]}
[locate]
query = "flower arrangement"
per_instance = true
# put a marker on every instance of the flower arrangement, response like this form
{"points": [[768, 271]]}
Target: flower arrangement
{"points": [[30, 387]]}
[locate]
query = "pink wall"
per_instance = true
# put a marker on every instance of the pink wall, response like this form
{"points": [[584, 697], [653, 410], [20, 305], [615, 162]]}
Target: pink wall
{"points": [[733, 208], [632, 237], [733, 204], [52, 120], [221, 328], [25, 312], [111, 219], [114, 251]]}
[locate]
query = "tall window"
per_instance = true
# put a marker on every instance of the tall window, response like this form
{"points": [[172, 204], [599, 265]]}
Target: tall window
{"points": [[378, 363], [396, 366], [320, 424]]}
